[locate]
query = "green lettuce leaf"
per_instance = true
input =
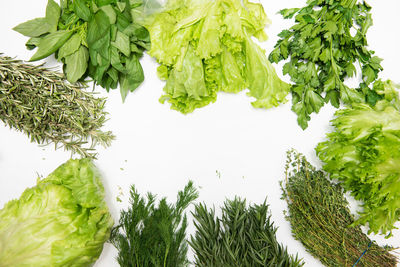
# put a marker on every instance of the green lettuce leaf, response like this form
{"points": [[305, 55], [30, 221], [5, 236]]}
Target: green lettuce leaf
{"points": [[62, 221], [214, 37], [186, 89], [364, 154], [264, 83]]}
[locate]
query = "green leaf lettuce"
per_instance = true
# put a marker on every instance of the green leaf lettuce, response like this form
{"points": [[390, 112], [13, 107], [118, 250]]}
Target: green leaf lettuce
{"points": [[206, 46], [364, 154]]}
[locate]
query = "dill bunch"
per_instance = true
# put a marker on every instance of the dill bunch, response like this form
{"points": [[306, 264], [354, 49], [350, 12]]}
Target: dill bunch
{"points": [[243, 236], [149, 235], [42, 104], [321, 220]]}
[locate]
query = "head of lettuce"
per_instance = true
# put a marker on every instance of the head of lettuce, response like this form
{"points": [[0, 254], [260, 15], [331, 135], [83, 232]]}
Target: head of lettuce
{"points": [[62, 221]]}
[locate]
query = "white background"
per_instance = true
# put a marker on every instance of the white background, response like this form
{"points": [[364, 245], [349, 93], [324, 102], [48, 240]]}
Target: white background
{"points": [[159, 149]]}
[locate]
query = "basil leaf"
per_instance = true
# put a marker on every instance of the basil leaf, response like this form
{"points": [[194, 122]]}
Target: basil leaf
{"points": [[136, 49], [115, 60], [108, 82], [144, 45], [102, 65], [52, 14], [93, 58], [133, 78], [32, 43], [93, 7], [113, 74], [76, 64], [135, 3], [123, 21], [70, 47], [101, 3], [51, 43], [33, 28], [122, 43], [98, 31], [82, 10], [110, 12], [121, 6], [134, 29], [114, 31], [104, 49], [64, 4]]}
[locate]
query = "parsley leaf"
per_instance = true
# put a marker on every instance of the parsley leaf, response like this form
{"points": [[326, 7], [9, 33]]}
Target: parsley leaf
{"points": [[322, 54]]}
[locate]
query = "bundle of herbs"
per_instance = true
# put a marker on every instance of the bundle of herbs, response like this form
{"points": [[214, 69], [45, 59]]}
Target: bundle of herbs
{"points": [[96, 38], [243, 236], [42, 104], [324, 46], [150, 235], [363, 153], [321, 220], [206, 46]]}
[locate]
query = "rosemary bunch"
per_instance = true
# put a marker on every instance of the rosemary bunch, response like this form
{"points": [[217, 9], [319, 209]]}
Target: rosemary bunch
{"points": [[148, 235], [40, 103], [320, 218], [243, 237]]}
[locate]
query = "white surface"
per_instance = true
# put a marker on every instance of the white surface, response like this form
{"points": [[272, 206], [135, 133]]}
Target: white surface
{"points": [[159, 149]]}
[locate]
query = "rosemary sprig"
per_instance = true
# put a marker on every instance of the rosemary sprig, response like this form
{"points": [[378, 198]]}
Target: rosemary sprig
{"points": [[150, 236], [243, 237], [42, 104], [320, 218]]}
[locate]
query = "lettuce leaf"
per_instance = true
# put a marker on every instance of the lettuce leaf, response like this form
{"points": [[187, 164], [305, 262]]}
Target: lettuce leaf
{"points": [[264, 83], [215, 38], [62, 221], [364, 154], [186, 89]]}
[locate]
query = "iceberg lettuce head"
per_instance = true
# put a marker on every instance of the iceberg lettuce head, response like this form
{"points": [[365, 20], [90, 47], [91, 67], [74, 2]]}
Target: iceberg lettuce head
{"points": [[62, 221]]}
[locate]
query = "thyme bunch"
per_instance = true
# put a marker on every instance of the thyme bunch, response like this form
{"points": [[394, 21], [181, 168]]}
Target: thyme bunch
{"points": [[243, 236], [42, 104], [320, 218], [153, 236]]}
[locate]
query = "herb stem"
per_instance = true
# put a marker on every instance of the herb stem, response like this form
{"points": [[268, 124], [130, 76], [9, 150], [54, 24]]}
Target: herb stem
{"points": [[43, 105], [321, 220]]}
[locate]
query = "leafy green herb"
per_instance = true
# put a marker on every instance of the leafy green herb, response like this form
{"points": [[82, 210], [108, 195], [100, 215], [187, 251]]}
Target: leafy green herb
{"points": [[99, 39], [62, 221], [244, 236], [364, 154], [323, 53], [33, 28], [205, 47], [320, 218], [51, 43], [148, 235], [43, 105]]}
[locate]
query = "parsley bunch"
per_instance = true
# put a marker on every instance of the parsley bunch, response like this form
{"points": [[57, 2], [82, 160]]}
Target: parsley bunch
{"points": [[323, 52], [150, 235], [244, 236]]}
